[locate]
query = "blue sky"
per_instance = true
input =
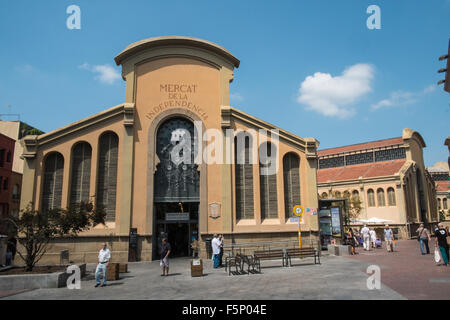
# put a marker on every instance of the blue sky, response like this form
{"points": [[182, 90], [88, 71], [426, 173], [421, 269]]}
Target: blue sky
{"points": [[310, 67]]}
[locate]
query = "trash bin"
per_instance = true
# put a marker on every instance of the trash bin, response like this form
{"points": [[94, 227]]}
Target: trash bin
{"points": [[196, 268], [112, 271]]}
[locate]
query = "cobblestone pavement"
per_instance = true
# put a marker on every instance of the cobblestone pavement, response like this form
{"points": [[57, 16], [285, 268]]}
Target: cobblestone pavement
{"points": [[335, 278], [408, 272]]}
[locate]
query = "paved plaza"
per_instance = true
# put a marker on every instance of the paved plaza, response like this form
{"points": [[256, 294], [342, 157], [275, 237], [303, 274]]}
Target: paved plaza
{"points": [[334, 278]]}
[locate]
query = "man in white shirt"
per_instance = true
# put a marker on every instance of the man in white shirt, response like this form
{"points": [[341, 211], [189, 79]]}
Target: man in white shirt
{"points": [[215, 244], [103, 259], [365, 232], [373, 238]]}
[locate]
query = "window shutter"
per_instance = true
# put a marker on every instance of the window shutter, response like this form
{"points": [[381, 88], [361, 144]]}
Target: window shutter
{"points": [[107, 174], [244, 184], [291, 176], [81, 173], [53, 180]]}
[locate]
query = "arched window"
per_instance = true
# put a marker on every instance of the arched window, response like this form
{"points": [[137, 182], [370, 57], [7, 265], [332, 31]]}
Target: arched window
{"points": [[268, 182], [380, 197], [371, 198], [108, 145], [244, 178], [291, 179], [355, 194], [81, 173], [391, 196], [324, 195], [444, 203], [346, 194], [52, 181], [439, 204], [337, 194]]}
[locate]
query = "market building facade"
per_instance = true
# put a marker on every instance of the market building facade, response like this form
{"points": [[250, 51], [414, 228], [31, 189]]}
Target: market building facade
{"points": [[388, 177], [175, 160]]}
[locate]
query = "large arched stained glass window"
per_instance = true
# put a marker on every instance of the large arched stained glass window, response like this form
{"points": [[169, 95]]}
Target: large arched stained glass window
{"points": [[108, 145], [291, 179], [53, 181], [81, 172]]}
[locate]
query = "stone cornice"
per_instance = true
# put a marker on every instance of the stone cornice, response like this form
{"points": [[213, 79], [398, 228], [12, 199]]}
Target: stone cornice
{"points": [[309, 145], [158, 42], [30, 143]]}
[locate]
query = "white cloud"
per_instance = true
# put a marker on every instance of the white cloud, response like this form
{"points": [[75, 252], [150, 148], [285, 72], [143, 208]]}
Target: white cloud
{"points": [[396, 98], [333, 96], [402, 98], [236, 97], [25, 69], [104, 73]]}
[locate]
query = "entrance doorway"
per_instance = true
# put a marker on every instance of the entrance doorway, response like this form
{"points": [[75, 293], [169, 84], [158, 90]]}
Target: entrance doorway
{"points": [[176, 187], [178, 234], [178, 222]]}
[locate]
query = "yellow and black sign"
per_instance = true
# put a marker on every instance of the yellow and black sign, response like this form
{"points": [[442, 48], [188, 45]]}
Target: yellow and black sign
{"points": [[298, 210]]}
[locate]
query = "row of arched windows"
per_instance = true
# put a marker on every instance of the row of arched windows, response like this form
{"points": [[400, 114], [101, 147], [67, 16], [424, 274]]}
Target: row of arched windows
{"points": [[380, 196], [267, 182], [80, 175], [381, 199]]}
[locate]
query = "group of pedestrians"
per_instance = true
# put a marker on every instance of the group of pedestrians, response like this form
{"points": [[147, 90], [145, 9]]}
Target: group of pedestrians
{"points": [[441, 234], [369, 238], [217, 250]]}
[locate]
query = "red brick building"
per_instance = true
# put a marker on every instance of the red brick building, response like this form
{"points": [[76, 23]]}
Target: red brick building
{"points": [[6, 180]]}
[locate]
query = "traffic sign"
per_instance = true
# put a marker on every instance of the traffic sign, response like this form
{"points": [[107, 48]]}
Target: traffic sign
{"points": [[298, 210]]}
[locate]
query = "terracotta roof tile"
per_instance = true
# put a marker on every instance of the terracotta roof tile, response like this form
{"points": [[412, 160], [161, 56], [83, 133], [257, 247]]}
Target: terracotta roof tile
{"points": [[361, 146], [367, 170], [442, 186]]}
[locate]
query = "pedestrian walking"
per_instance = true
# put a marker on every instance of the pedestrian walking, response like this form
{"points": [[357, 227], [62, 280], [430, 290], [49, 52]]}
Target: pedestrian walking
{"points": [[103, 259], [373, 238], [165, 251], [441, 242], [366, 237], [11, 251], [389, 238], [352, 240], [215, 244], [423, 238], [221, 249]]}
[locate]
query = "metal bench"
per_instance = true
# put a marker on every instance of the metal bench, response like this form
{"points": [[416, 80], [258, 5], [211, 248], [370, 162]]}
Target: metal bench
{"points": [[253, 264], [237, 262], [301, 253], [270, 255]]}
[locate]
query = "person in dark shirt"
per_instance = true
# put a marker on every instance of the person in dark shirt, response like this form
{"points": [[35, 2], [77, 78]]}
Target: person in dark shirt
{"points": [[221, 250], [11, 251], [165, 251], [441, 241]]}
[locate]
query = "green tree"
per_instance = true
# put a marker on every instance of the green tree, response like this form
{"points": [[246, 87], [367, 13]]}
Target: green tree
{"points": [[354, 207], [35, 229]]}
